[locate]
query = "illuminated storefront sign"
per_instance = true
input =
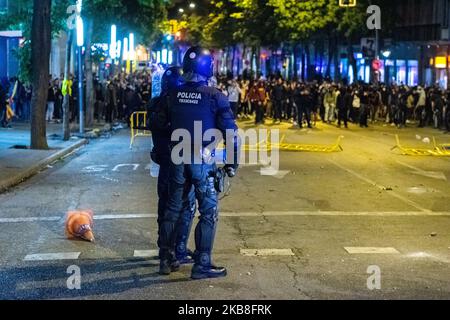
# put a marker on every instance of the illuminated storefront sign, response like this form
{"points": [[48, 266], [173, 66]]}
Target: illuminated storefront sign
{"points": [[440, 62]]}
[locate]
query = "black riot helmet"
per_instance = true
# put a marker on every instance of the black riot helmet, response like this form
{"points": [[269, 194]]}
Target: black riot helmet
{"points": [[171, 79], [200, 61]]}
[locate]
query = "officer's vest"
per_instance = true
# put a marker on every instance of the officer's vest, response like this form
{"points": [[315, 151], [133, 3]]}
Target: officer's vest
{"points": [[193, 103]]}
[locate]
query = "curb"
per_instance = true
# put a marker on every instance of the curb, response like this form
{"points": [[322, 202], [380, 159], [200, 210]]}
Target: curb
{"points": [[31, 171]]}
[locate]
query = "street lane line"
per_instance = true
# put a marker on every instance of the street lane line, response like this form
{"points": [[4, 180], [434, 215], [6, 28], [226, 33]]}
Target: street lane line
{"points": [[266, 252], [146, 253], [429, 174], [29, 219], [333, 214], [371, 182], [124, 216], [252, 214], [52, 256], [371, 250]]}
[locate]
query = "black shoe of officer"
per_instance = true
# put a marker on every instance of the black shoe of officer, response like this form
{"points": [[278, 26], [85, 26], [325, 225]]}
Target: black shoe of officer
{"points": [[166, 267], [206, 272], [168, 263], [204, 269]]}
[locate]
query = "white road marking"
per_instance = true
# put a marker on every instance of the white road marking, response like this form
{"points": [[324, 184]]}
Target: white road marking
{"points": [[422, 190], [279, 174], [124, 216], [424, 255], [109, 179], [266, 252], [251, 214], [30, 219], [373, 183], [52, 256], [134, 165], [371, 250], [146, 253], [333, 213], [420, 172], [95, 168]]}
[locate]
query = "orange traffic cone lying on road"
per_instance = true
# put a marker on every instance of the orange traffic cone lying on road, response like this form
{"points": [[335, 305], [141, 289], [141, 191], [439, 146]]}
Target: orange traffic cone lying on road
{"points": [[79, 224]]}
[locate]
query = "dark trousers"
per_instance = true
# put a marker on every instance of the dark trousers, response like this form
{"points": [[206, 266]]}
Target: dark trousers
{"points": [[234, 107], [278, 109], [259, 108], [184, 224], [343, 116], [447, 119], [293, 111], [421, 115], [363, 114], [3, 121], [109, 113], [307, 113], [181, 178], [354, 114]]}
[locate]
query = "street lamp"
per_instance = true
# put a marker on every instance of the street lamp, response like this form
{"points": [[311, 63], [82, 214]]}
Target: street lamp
{"points": [[119, 49], [131, 52], [113, 45], [125, 53], [181, 10], [80, 43], [192, 5]]}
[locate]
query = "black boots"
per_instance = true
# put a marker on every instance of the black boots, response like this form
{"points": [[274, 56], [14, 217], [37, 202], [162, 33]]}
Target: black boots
{"points": [[206, 272], [168, 263], [204, 269]]}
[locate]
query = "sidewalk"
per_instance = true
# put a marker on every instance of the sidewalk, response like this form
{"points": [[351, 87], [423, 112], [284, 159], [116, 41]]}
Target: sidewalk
{"points": [[18, 164]]}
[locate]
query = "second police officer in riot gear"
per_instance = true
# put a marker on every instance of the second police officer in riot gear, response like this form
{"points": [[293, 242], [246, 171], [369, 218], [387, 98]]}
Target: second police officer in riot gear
{"points": [[171, 79], [189, 105]]}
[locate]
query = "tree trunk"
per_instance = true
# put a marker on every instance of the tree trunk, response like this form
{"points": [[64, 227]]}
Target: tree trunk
{"points": [[90, 93], [40, 59], [66, 108]]}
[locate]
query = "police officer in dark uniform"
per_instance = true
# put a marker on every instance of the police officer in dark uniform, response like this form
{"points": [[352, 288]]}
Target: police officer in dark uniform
{"points": [[157, 123], [189, 105]]}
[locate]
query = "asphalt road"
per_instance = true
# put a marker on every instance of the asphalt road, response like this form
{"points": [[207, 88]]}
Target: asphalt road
{"points": [[309, 219]]}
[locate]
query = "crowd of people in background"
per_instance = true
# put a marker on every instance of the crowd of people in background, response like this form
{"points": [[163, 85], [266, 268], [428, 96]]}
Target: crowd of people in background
{"points": [[273, 99], [115, 99], [303, 104]]}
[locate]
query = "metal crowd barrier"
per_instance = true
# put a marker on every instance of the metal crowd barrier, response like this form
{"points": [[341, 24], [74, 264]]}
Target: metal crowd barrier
{"points": [[438, 150], [138, 121], [265, 145]]}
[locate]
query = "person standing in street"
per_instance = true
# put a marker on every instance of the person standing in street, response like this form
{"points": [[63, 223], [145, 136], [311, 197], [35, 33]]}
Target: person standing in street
{"points": [[234, 93], [171, 79], [50, 103], [194, 108], [344, 106]]}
